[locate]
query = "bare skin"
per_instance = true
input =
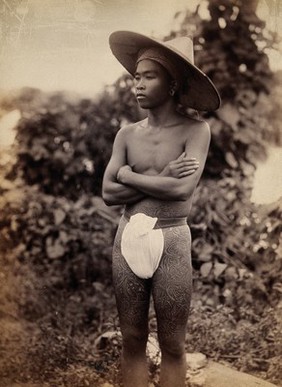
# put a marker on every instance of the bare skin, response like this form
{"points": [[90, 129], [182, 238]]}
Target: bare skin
{"points": [[154, 169]]}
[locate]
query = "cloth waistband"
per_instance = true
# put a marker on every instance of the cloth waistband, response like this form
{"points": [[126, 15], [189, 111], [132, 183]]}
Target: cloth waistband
{"points": [[164, 222]]}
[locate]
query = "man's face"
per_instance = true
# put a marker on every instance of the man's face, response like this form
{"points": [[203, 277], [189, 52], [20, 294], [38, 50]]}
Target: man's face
{"points": [[152, 84]]}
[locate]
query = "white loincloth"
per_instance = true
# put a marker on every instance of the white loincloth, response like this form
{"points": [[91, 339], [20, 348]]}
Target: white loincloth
{"points": [[141, 245]]}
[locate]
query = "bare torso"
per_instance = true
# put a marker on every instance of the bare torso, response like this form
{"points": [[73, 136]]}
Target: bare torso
{"points": [[149, 150]]}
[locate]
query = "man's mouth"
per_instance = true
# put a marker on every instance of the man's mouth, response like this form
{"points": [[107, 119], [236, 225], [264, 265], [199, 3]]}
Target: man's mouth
{"points": [[140, 96]]}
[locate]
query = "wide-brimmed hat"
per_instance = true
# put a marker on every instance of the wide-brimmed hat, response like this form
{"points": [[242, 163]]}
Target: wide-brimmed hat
{"points": [[201, 93]]}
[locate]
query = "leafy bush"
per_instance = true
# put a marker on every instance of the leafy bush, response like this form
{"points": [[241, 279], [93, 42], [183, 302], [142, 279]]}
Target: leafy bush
{"points": [[56, 234], [64, 143]]}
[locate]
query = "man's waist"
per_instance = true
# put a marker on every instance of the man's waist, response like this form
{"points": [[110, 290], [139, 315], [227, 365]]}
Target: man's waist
{"points": [[163, 222]]}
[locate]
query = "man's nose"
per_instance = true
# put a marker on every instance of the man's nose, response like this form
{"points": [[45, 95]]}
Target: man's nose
{"points": [[140, 84]]}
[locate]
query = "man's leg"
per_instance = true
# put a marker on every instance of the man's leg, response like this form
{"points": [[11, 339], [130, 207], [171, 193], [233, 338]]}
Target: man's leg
{"points": [[172, 288], [133, 297]]}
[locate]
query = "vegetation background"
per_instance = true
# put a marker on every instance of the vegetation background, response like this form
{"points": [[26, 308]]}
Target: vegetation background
{"points": [[58, 320]]}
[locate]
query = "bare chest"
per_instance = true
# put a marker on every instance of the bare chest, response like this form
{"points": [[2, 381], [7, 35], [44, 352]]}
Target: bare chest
{"points": [[151, 152]]}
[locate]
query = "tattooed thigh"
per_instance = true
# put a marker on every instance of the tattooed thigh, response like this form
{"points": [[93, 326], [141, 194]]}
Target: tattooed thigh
{"points": [[172, 284], [132, 293]]}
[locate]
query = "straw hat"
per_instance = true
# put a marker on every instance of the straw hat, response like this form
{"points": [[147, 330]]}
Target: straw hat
{"points": [[200, 93]]}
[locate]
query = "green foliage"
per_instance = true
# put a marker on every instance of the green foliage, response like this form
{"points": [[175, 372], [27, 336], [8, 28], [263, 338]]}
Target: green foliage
{"points": [[64, 143], [57, 281], [217, 334], [65, 240], [229, 48]]}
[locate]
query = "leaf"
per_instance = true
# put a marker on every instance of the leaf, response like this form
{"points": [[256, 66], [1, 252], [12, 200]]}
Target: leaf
{"points": [[230, 159], [54, 250], [206, 269], [59, 216], [219, 268], [229, 114], [205, 252], [247, 168], [64, 237]]}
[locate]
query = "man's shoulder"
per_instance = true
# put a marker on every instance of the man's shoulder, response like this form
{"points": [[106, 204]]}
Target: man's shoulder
{"points": [[196, 126], [131, 127], [195, 122]]}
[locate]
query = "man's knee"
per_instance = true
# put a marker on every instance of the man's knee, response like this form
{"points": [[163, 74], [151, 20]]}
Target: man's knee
{"points": [[172, 347], [134, 339]]}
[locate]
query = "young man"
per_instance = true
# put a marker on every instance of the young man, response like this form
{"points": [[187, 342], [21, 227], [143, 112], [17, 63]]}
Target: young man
{"points": [[154, 169]]}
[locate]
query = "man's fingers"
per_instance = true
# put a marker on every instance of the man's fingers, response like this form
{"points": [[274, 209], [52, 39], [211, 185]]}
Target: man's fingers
{"points": [[190, 162], [184, 160], [187, 173], [187, 164], [187, 168], [191, 159]]}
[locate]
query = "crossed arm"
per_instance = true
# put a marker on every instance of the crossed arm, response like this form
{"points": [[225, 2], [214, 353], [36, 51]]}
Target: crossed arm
{"points": [[176, 181], [113, 191]]}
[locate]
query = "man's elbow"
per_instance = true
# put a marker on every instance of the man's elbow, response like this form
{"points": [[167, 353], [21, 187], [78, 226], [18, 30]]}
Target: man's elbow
{"points": [[184, 188], [108, 198], [183, 197], [108, 201], [183, 194]]}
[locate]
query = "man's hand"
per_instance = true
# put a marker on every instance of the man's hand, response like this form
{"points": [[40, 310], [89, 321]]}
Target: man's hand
{"points": [[122, 173], [181, 167]]}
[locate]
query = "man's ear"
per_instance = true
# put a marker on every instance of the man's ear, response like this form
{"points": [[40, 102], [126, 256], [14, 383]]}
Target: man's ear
{"points": [[174, 85]]}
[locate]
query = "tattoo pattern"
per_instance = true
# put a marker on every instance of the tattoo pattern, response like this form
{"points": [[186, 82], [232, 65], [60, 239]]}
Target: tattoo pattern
{"points": [[170, 286], [160, 208]]}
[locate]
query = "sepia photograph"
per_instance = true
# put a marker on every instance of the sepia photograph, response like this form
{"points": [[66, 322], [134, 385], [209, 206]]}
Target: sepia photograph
{"points": [[140, 193]]}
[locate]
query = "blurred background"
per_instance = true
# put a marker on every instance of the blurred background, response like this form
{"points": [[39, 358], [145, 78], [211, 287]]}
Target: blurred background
{"points": [[63, 44], [63, 97]]}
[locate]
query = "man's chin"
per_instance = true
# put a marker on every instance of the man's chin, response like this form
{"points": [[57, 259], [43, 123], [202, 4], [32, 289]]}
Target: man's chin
{"points": [[145, 104]]}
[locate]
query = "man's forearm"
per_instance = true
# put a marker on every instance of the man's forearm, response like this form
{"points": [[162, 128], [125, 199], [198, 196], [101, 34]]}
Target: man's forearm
{"points": [[116, 193], [160, 187]]}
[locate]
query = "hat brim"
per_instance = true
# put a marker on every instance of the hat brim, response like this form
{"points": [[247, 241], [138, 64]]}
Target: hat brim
{"points": [[201, 94]]}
